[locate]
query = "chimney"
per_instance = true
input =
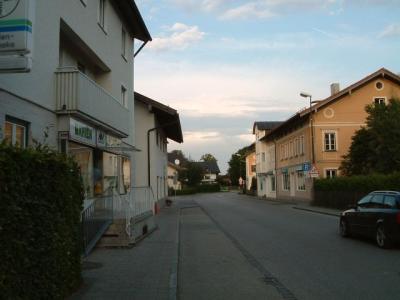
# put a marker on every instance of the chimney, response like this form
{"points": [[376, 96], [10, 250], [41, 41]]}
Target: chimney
{"points": [[335, 88]]}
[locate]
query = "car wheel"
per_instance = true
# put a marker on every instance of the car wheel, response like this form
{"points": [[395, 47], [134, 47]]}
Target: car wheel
{"points": [[344, 228], [382, 239]]}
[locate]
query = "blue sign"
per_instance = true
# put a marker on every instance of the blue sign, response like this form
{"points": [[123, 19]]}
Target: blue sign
{"points": [[306, 167]]}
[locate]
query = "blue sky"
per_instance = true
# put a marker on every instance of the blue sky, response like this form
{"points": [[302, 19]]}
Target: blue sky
{"points": [[224, 64]]}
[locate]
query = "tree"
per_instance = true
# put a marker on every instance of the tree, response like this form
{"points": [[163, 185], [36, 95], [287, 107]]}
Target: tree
{"points": [[237, 164], [208, 157], [193, 173], [178, 154], [376, 147]]}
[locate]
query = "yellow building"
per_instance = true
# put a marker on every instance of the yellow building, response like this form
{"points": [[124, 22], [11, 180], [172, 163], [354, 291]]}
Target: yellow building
{"points": [[321, 136]]}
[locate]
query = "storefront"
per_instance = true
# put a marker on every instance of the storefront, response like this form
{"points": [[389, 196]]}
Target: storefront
{"points": [[104, 162]]}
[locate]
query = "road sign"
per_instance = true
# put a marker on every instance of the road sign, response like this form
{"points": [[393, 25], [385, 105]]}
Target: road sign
{"points": [[314, 173]]}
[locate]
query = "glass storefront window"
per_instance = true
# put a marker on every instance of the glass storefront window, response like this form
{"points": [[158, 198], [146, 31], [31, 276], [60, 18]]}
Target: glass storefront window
{"points": [[125, 176], [110, 172], [84, 157]]}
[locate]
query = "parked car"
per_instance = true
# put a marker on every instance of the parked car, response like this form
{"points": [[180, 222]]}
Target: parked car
{"points": [[377, 215]]}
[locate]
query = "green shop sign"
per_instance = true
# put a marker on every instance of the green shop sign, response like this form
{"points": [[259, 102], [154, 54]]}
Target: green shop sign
{"points": [[82, 133]]}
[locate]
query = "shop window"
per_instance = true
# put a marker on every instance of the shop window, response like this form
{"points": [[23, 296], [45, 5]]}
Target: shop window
{"points": [[301, 181], [16, 132], [125, 176], [110, 173], [84, 158]]}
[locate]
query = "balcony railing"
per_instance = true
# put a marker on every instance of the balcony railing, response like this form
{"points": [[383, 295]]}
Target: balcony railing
{"points": [[76, 92]]}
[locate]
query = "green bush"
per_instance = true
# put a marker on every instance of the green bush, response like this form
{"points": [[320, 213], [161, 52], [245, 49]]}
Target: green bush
{"points": [[205, 188], [41, 196], [340, 192]]}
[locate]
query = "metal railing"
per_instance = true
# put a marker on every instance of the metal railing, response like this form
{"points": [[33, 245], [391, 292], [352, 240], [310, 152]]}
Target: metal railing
{"points": [[96, 218], [144, 200]]}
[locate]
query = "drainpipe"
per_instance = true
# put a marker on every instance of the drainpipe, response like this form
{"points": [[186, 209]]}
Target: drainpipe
{"points": [[148, 147]]}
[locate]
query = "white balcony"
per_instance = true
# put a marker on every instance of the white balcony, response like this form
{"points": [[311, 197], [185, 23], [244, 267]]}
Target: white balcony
{"points": [[77, 93]]}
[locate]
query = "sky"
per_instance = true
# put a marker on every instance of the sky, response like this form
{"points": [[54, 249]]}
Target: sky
{"points": [[224, 64]]}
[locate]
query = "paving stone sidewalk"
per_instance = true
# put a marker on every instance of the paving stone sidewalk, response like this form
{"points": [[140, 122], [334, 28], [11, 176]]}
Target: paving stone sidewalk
{"points": [[146, 271]]}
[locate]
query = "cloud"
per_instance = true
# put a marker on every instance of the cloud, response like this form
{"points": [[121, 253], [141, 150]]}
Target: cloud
{"points": [[204, 5], [248, 11], [181, 37], [390, 31], [201, 136]]}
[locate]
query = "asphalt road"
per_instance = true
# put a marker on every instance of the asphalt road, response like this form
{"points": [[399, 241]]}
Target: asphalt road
{"points": [[298, 253]]}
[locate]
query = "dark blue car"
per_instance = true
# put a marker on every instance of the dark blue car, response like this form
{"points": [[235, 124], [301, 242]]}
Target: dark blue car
{"points": [[377, 215]]}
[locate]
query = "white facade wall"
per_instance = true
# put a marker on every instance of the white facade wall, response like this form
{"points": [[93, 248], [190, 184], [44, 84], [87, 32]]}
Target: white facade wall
{"points": [[38, 85], [145, 120]]}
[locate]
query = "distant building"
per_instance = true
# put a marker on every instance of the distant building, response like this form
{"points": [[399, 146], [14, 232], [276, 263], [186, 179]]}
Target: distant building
{"points": [[211, 171], [250, 168], [265, 159], [173, 177]]}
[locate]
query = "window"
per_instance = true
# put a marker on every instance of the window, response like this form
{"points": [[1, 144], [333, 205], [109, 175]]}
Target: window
{"points": [[377, 201], [330, 141], [296, 146], [15, 132], [291, 149], [124, 100], [123, 43], [253, 168], [273, 183], [261, 185], [364, 201], [331, 173], [301, 181], [301, 145], [263, 157], [390, 201], [379, 85], [285, 181], [102, 13], [380, 100]]}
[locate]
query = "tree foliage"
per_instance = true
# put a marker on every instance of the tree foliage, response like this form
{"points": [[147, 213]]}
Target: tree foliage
{"points": [[178, 154], [192, 174], [208, 157], [376, 147], [237, 165]]}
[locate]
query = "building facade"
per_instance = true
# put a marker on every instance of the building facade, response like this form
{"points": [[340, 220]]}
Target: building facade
{"points": [[155, 123], [250, 169], [312, 143], [77, 97]]}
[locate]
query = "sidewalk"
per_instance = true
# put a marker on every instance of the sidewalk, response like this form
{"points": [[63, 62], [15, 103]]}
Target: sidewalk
{"points": [[146, 271], [317, 209]]}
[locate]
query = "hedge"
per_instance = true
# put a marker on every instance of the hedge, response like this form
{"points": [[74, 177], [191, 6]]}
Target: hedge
{"points": [[41, 197], [204, 188], [340, 192]]}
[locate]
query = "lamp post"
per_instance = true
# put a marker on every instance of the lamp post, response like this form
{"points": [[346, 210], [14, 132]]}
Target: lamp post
{"points": [[240, 170], [307, 95]]}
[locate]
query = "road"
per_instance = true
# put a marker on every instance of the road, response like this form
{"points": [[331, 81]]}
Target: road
{"points": [[300, 254]]}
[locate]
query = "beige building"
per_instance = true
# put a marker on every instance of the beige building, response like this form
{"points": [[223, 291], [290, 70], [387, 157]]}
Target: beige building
{"points": [[321, 136], [250, 168]]}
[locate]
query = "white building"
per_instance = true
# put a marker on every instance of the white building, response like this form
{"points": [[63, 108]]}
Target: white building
{"points": [[265, 160], [78, 95], [155, 123], [173, 177]]}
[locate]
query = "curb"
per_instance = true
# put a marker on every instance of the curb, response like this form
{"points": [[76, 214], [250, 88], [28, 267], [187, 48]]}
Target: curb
{"points": [[317, 211], [173, 275]]}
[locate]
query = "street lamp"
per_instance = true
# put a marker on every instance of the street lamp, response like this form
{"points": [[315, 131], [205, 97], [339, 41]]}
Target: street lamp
{"points": [[240, 166], [307, 95]]}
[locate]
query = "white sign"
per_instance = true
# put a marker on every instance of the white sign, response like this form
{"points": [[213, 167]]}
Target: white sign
{"points": [[314, 173], [16, 26]]}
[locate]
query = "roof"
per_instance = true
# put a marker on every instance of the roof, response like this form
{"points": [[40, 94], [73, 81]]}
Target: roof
{"points": [[209, 166], [302, 116], [381, 73], [132, 17], [167, 117], [266, 125]]}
